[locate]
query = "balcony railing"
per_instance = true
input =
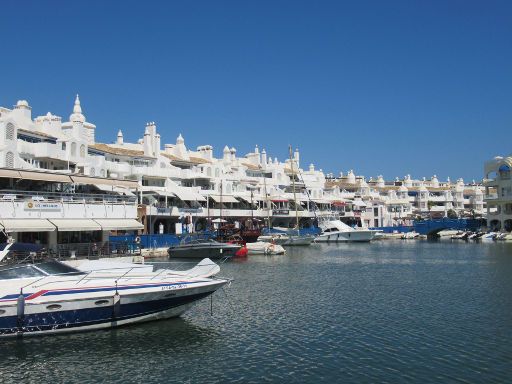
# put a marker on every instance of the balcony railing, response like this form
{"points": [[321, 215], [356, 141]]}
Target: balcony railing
{"points": [[88, 198]]}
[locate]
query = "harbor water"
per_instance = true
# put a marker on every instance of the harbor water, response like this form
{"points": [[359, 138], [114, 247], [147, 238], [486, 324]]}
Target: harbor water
{"points": [[388, 312]]}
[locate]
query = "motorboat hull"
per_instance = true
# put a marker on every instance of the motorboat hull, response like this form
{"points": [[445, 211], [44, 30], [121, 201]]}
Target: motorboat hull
{"points": [[213, 251], [44, 313], [345, 237], [299, 240], [264, 248]]}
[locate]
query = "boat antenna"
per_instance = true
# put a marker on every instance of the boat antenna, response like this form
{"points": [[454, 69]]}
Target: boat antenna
{"points": [[266, 200], [293, 186]]}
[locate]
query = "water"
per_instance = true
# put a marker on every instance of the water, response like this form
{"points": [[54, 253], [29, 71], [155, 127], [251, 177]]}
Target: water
{"points": [[387, 312]]}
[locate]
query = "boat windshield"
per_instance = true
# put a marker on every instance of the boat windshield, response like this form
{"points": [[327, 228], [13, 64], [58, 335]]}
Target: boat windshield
{"points": [[19, 272], [45, 268], [53, 267]]}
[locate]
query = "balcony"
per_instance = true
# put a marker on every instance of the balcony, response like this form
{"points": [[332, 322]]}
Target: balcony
{"points": [[50, 205]]}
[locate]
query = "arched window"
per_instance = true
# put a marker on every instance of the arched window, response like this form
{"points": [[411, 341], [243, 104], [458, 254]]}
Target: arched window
{"points": [[63, 146], [208, 171], [73, 149], [9, 131], [504, 172], [102, 173], [93, 172], [217, 172], [82, 150], [9, 160]]}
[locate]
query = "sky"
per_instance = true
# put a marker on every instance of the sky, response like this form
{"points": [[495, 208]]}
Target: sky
{"points": [[382, 87]]}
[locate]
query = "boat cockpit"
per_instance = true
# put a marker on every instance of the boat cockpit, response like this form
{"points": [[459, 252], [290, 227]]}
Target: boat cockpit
{"points": [[41, 269]]}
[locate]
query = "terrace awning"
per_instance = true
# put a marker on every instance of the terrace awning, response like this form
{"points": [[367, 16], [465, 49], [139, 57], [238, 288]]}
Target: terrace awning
{"points": [[224, 198], [41, 176], [27, 225], [78, 225], [119, 224], [10, 173], [187, 194], [98, 180]]}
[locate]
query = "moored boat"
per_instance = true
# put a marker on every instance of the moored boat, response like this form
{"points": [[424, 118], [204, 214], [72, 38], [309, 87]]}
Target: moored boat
{"points": [[264, 248], [200, 249], [337, 231], [53, 297]]}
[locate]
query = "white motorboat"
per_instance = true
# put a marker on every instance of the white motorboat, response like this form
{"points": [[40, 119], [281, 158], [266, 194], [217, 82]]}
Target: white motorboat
{"points": [[489, 236], [337, 231], [409, 235], [299, 240], [289, 238], [461, 235], [504, 236], [53, 297], [264, 248], [447, 233], [275, 238]]}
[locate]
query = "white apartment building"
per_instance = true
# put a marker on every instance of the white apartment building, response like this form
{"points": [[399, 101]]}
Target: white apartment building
{"points": [[174, 184], [498, 193]]}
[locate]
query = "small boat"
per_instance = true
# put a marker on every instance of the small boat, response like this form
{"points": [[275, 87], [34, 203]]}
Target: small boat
{"points": [[291, 237], [489, 236], [461, 235], [264, 248], [275, 238], [409, 235], [448, 233], [337, 231], [504, 236], [50, 297], [200, 249], [299, 240]]}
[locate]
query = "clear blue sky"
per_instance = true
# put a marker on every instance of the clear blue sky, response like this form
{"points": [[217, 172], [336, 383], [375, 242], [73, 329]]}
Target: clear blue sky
{"points": [[383, 87]]}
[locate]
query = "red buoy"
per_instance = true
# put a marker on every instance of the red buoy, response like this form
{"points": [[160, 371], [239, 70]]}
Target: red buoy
{"points": [[242, 252]]}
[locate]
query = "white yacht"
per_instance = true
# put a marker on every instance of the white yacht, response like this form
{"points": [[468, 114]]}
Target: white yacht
{"points": [[53, 297], [337, 231]]}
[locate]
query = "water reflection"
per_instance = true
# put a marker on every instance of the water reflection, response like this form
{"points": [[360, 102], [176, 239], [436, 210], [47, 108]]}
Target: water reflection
{"points": [[390, 311]]}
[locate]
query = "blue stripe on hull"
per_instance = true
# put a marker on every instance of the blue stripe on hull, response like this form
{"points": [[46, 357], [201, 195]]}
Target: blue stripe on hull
{"points": [[49, 321]]}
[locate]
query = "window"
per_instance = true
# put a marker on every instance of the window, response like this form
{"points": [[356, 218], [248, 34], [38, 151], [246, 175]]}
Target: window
{"points": [[63, 146], [73, 149], [9, 131], [9, 160], [504, 171], [93, 172], [82, 150]]}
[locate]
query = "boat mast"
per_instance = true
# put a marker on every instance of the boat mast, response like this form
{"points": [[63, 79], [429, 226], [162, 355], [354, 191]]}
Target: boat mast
{"points": [[294, 192], [266, 199]]}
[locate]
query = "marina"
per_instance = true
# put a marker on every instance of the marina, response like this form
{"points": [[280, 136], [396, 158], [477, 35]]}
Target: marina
{"points": [[254, 192], [393, 311]]}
